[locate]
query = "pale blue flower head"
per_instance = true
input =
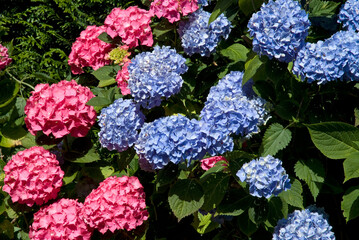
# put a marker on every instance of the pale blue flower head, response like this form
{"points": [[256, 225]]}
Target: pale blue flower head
{"points": [[308, 224], [349, 15], [199, 37], [119, 125], [279, 29], [265, 176], [156, 75]]}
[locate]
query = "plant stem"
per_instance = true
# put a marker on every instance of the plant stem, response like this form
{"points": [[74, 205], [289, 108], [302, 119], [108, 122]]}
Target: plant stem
{"points": [[20, 82]]}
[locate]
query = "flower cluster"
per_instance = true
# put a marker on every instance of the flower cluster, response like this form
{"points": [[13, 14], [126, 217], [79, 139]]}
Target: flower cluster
{"points": [[33, 176], [199, 37], [118, 203], [170, 139], [279, 29], [60, 220], [120, 56], [4, 57], [60, 109], [131, 24], [305, 224], [203, 2], [89, 51], [265, 176], [349, 15], [335, 58], [173, 9], [156, 74], [119, 125], [230, 109], [208, 163]]}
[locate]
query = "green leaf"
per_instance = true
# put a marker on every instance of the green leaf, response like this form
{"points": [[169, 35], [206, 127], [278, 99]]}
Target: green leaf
{"points": [[293, 196], [313, 173], [220, 7], [251, 68], [351, 166], [105, 37], [236, 52], [98, 102], [203, 223], [246, 225], [107, 171], [106, 75], [336, 140], [278, 209], [8, 142], [215, 187], [275, 138], [8, 91], [90, 156], [7, 229], [356, 115], [235, 203], [70, 175], [249, 6], [218, 167], [45, 77], [350, 203], [186, 196], [29, 141], [318, 8]]}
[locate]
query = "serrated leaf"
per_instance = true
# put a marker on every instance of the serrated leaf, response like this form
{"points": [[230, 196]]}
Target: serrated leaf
{"points": [[350, 203], [313, 173], [236, 52], [215, 187], [275, 138], [107, 171], [336, 140], [318, 8], [220, 7], [203, 223], [106, 75], [98, 102], [105, 37], [186, 196], [8, 142], [251, 68], [351, 166], [105, 83], [90, 156], [293, 196]]}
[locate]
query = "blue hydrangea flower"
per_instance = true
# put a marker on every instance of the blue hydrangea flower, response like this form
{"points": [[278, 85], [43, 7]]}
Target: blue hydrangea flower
{"points": [[349, 15], [170, 139], [279, 29], [203, 2], [306, 224], [336, 58], [230, 109], [119, 124], [156, 75], [199, 37], [265, 176]]}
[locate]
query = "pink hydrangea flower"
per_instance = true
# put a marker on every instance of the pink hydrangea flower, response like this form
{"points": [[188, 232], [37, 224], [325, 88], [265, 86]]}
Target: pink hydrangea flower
{"points": [[208, 163], [89, 51], [131, 24], [60, 109], [61, 220], [118, 203], [33, 176], [4, 57], [173, 9], [122, 79]]}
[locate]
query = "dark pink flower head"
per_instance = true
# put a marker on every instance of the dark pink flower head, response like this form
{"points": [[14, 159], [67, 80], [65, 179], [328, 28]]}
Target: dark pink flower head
{"points": [[61, 220], [131, 24], [118, 203], [120, 56], [122, 79], [89, 51], [60, 109], [208, 163], [173, 9], [33, 176], [4, 57]]}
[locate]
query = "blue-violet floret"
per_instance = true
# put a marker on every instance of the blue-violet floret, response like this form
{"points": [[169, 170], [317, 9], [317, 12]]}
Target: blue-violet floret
{"points": [[306, 224], [119, 124], [279, 29], [156, 75], [265, 176], [199, 37], [349, 15]]}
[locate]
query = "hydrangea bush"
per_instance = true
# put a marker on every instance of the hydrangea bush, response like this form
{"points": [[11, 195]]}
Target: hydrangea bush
{"points": [[186, 119]]}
